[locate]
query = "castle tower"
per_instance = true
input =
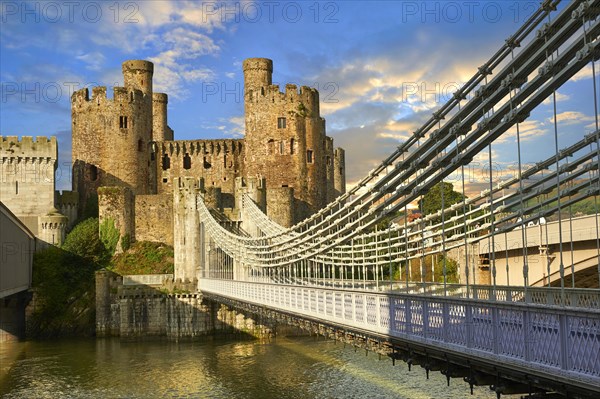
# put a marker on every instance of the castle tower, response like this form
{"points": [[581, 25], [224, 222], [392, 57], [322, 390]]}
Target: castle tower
{"points": [[285, 141], [112, 138]]}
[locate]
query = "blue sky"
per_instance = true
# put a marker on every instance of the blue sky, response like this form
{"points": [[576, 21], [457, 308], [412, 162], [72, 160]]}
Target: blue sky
{"points": [[382, 67]]}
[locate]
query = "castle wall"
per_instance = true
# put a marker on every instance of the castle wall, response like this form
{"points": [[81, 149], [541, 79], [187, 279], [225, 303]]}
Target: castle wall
{"points": [[218, 162], [154, 218], [27, 183], [280, 205]]}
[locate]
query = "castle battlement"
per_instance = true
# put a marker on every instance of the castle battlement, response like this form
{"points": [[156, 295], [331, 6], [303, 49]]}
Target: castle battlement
{"points": [[41, 148], [272, 96], [121, 95], [201, 147], [67, 198]]}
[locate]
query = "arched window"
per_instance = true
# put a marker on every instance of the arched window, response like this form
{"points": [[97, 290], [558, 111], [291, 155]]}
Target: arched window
{"points": [[187, 161]]}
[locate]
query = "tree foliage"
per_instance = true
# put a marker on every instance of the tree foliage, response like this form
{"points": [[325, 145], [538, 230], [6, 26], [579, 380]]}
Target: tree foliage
{"points": [[84, 241], [63, 279], [432, 201]]}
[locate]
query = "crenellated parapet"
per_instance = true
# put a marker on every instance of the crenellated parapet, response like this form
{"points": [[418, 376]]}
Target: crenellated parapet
{"points": [[303, 103], [201, 147], [28, 148], [121, 96]]}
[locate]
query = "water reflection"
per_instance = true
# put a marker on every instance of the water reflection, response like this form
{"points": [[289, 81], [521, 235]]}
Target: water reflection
{"points": [[286, 368]]}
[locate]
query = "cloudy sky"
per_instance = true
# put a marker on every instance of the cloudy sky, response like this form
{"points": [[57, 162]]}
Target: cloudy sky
{"points": [[381, 67]]}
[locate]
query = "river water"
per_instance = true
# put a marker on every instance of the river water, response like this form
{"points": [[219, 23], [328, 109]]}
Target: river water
{"points": [[296, 367]]}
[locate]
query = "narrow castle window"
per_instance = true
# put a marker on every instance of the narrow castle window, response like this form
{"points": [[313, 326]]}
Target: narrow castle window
{"points": [[309, 156], [17, 187], [207, 164], [281, 123], [328, 161], [282, 147], [166, 162], [93, 172], [140, 146], [292, 146], [123, 122], [187, 161]]}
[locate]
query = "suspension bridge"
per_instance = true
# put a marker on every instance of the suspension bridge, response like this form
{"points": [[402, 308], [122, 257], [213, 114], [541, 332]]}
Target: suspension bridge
{"points": [[529, 328]]}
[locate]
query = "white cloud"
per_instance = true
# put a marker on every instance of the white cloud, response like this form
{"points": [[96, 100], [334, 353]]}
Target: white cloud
{"points": [[173, 68], [571, 118], [585, 73], [559, 97], [237, 126], [94, 61]]}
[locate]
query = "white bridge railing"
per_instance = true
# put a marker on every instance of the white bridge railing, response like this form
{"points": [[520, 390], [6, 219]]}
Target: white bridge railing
{"points": [[562, 343]]}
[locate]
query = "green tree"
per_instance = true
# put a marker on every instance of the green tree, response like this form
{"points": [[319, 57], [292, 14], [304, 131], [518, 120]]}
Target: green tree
{"points": [[84, 241], [432, 201]]}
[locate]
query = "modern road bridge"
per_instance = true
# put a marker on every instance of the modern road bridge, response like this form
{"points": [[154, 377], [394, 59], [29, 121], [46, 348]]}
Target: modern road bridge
{"points": [[342, 270]]}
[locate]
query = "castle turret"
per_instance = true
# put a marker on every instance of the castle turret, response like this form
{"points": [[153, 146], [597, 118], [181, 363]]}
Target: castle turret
{"points": [[339, 171], [52, 228], [138, 75], [160, 129], [257, 73]]}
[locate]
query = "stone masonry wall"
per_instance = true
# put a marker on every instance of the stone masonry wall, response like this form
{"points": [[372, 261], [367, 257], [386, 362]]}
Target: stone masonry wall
{"points": [[154, 218], [136, 312], [218, 162]]}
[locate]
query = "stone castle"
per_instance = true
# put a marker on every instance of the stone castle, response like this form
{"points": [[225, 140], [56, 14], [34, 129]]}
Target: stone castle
{"points": [[125, 157]]}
